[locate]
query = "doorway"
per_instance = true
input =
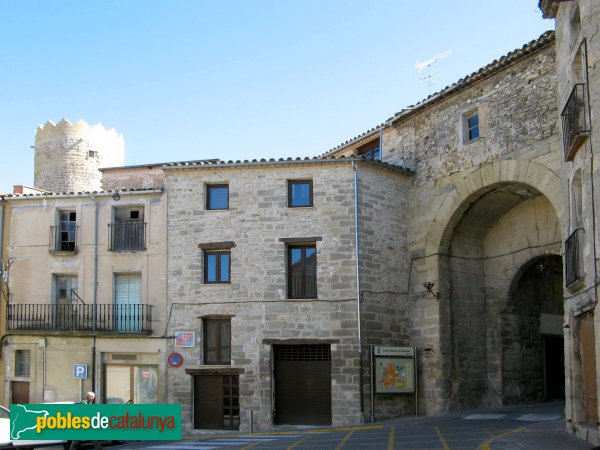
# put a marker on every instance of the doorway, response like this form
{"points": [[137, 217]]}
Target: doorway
{"points": [[20, 392], [216, 402], [533, 365], [131, 384], [302, 384]]}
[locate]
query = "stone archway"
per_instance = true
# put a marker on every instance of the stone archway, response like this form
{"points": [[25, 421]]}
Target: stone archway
{"points": [[488, 240], [532, 335]]}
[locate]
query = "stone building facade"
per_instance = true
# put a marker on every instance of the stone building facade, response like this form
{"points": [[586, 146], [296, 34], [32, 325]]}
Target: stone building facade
{"points": [[464, 226], [578, 100], [484, 214], [258, 229]]}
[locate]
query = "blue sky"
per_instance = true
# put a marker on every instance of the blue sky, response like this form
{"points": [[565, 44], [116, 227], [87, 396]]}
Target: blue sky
{"points": [[234, 79]]}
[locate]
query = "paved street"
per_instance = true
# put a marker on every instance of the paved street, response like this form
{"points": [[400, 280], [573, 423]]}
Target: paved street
{"points": [[531, 427]]}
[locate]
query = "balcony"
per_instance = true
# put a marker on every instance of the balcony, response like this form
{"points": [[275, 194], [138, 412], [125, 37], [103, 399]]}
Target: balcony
{"points": [[127, 236], [302, 284], [575, 126], [573, 260], [80, 318], [63, 238]]}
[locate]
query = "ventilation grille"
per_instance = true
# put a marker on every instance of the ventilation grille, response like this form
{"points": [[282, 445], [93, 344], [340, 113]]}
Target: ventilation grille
{"points": [[302, 353], [123, 357]]}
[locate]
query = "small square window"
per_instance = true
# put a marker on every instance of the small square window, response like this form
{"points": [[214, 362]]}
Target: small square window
{"points": [[217, 267], [472, 122], [217, 196], [300, 193]]}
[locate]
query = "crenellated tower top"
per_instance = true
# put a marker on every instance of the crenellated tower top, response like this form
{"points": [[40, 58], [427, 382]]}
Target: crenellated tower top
{"points": [[68, 155]]}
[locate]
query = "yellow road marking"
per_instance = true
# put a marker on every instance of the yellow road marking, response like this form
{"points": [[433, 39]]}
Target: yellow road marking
{"points": [[486, 444], [345, 440], [298, 442], [282, 433], [251, 445], [331, 430], [391, 438], [442, 440]]}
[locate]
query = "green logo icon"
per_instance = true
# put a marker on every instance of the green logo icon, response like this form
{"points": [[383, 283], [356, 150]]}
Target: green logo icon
{"points": [[95, 422]]}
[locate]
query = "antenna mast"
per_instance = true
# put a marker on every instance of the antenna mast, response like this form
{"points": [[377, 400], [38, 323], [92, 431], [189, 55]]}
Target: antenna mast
{"points": [[427, 77]]}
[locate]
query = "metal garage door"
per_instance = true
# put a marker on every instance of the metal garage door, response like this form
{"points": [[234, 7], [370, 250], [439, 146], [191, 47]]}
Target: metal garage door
{"points": [[302, 384]]}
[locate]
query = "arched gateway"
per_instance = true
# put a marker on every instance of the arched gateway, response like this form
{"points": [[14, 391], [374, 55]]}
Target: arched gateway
{"points": [[497, 238]]}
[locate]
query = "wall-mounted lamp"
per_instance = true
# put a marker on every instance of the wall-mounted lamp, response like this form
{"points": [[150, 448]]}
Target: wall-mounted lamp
{"points": [[4, 266], [428, 285]]}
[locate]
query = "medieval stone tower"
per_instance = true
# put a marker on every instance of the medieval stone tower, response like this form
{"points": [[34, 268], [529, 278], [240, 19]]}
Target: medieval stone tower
{"points": [[68, 155]]}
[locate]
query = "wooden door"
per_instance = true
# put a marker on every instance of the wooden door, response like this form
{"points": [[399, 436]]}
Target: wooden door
{"points": [[20, 392], [208, 402]]}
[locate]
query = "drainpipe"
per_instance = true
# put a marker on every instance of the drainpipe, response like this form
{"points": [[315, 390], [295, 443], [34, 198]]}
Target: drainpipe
{"points": [[95, 291], [360, 350]]}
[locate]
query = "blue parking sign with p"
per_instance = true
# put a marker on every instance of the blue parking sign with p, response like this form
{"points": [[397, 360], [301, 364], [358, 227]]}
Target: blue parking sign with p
{"points": [[80, 371]]}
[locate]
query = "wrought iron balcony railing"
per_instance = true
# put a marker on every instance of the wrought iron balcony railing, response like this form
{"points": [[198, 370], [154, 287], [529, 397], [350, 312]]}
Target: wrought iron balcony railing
{"points": [[63, 238], [575, 126], [127, 235], [80, 318], [302, 285], [573, 257]]}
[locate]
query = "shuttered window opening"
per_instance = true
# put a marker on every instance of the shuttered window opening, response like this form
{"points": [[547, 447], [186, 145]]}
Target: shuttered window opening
{"points": [[302, 353], [128, 296], [302, 375]]}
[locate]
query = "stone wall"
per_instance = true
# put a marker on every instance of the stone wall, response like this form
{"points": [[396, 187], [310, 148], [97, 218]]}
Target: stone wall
{"points": [[384, 276], [517, 113]]}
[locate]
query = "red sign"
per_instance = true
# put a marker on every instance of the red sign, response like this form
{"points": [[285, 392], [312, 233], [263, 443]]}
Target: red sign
{"points": [[175, 359]]}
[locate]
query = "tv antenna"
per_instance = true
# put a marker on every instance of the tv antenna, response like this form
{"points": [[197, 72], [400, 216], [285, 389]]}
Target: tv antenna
{"points": [[427, 77]]}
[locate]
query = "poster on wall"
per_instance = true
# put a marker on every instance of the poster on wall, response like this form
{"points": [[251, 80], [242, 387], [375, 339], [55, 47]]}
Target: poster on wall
{"points": [[394, 375], [185, 339]]}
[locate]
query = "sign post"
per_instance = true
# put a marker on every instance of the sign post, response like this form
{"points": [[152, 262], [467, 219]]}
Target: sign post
{"points": [[80, 371], [394, 371]]}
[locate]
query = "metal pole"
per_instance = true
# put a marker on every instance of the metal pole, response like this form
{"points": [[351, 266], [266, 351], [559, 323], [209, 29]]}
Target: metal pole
{"points": [[416, 382], [372, 388]]}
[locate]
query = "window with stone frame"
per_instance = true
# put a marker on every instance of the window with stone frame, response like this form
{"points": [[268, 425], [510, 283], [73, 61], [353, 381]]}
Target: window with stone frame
{"points": [[217, 340], [217, 196], [300, 193], [22, 363], [470, 125], [217, 267]]}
